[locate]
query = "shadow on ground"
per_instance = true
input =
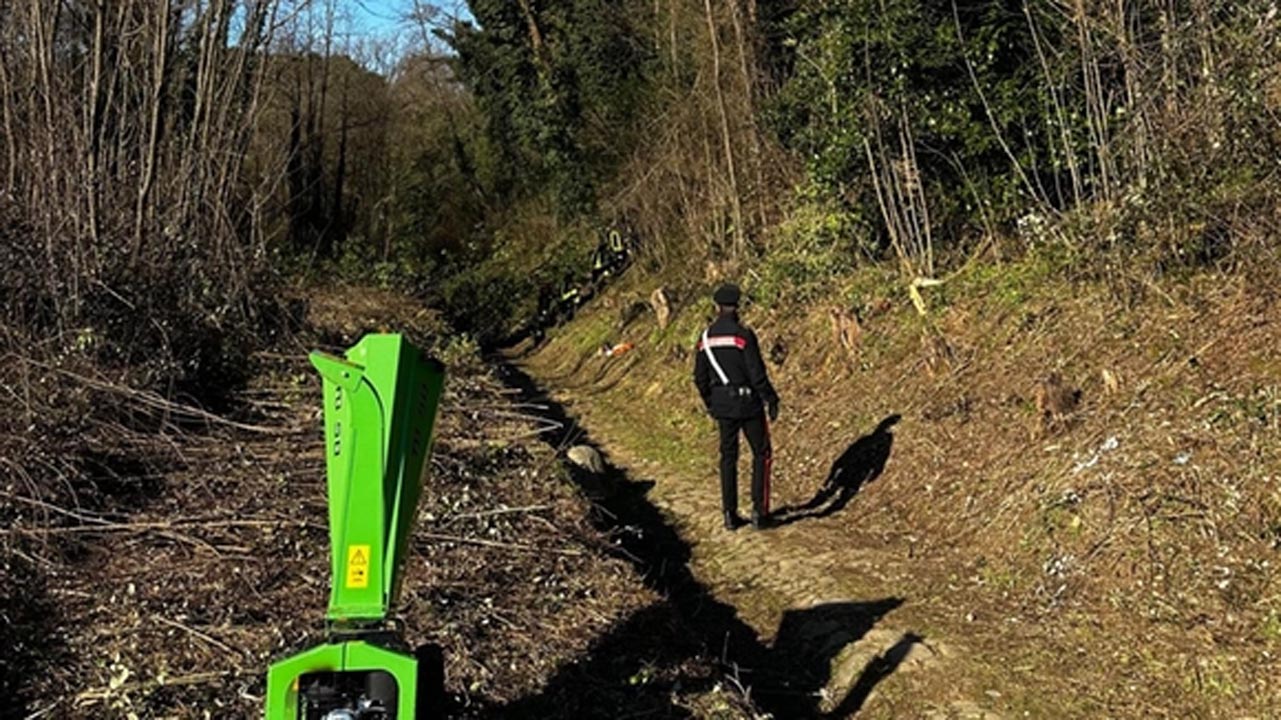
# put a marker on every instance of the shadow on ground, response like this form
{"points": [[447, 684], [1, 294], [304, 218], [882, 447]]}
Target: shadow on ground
{"points": [[34, 558], [881, 667], [29, 636], [861, 463], [689, 641]]}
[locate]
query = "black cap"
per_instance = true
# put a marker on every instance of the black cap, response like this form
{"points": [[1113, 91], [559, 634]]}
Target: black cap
{"points": [[727, 295]]}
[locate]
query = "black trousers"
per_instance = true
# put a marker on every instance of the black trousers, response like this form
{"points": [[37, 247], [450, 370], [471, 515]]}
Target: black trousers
{"points": [[757, 431]]}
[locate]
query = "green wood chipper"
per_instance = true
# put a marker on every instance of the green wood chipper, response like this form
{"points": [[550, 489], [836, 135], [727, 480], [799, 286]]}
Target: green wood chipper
{"points": [[380, 408]]}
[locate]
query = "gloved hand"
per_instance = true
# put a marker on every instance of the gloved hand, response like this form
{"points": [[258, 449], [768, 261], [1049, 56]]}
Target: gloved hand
{"points": [[773, 411]]}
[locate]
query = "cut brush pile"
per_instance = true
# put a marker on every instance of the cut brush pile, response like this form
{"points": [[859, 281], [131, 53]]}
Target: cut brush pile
{"points": [[155, 562]]}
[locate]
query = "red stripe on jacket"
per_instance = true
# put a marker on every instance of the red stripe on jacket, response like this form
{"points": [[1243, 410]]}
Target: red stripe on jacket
{"points": [[724, 341]]}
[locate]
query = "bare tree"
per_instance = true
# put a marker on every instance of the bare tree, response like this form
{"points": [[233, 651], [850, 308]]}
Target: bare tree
{"points": [[736, 206], [125, 128]]}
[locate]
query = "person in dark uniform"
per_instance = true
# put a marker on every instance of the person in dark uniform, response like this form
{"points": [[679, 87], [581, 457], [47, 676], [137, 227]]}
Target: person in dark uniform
{"points": [[601, 262], [731, 379], [543, 317], [569, 298], [617, 251]]}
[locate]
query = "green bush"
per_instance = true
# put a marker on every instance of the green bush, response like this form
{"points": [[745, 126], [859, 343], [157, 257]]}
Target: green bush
{"points": [[1149, 127], [862, 72], [818, 241]]}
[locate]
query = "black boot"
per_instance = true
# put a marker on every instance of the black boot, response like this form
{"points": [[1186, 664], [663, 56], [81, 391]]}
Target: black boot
{"points": [[758, 520], [732, 521]]}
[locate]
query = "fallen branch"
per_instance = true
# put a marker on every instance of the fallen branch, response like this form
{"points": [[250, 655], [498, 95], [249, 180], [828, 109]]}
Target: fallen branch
{"points": [[95, 696], [154, 401], [196, 633], [491, 543], [501, 511], [53, 508], [143, 526]]}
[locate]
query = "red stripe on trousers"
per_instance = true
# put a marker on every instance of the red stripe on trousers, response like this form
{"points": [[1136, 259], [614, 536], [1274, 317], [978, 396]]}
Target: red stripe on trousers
{"points": [[769, 466]]}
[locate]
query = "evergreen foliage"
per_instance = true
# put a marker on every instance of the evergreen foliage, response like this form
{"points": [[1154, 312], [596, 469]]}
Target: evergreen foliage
{"points": [[963, 78], [557, 82]]}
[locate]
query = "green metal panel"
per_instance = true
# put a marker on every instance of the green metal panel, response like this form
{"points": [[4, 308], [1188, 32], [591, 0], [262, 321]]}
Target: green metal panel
{"points": [[380, 412], [283, 677], [418, 390], [354, 460], [380, 405], [364, 656]]}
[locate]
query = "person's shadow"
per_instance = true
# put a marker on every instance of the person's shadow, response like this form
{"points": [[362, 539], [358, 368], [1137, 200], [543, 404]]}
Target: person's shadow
{"points": [[792, 674], [862, 462]]}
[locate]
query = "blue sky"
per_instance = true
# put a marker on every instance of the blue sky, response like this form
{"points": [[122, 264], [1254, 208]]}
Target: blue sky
{"points": [[391, 25], [384, 17]]}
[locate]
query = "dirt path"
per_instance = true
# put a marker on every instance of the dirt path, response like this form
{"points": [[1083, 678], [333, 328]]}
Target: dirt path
{"points": [[1115, 563], [822, 627]]}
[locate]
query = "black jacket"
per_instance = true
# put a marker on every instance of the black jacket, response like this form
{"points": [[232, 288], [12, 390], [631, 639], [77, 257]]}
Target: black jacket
{"points": [[739, 355]]}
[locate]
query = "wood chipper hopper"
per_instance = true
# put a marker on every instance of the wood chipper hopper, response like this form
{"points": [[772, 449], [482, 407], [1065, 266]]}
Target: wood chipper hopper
{"points": [[380, 408]]}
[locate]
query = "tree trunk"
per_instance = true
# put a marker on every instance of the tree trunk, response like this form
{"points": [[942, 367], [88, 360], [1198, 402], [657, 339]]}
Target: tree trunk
{"points": [[338, 220], [735, 204], [747, 60], [93, 120], [671, 31], [160, 80], [6, 116]]}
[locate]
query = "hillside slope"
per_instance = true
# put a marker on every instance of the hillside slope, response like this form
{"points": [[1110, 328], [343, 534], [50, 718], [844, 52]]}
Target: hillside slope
{"points": [[1118, 560]]}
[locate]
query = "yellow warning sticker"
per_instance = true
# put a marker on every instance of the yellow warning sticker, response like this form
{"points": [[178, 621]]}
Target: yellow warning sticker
{"points": [[357, 566]]}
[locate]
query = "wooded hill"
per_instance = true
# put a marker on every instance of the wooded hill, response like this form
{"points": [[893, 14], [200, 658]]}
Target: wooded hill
{"points": [[227, 141], [169, 169]]}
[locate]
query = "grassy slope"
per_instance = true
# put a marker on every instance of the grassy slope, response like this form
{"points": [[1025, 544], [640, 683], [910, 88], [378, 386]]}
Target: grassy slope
{"points": [[1121, 565]]}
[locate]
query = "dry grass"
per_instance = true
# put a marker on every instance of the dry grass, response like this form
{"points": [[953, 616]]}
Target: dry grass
{"points": [[1120, 562]]}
